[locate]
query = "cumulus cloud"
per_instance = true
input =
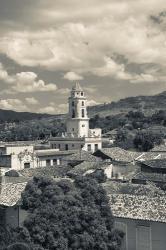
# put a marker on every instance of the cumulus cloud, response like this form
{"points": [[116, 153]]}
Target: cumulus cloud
{"points": [[31, 100], [25, 82], [63, 91], [92, 103], [13, 104], [86, 35], [53, 108], [72, 76]]}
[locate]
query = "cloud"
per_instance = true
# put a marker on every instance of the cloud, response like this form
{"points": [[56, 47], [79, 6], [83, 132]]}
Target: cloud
{"points": [[92, 103], [4, 74], [53, 108], [72, 76], [148, 78], [85, 35], [25, 82], [63, 91], [13, 104], [112, 69], [31, 100]]}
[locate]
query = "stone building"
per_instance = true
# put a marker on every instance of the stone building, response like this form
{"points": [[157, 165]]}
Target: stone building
{"points": [[78, 134]]}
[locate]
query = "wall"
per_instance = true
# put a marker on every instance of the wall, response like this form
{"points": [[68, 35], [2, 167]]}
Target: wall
{"points": [[18, 149], [5, 161], [157, 234], [12, 216], [72, 144]]}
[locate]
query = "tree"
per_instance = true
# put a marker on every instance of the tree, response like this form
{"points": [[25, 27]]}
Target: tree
{"points": [[69, 215], [146, 140]]}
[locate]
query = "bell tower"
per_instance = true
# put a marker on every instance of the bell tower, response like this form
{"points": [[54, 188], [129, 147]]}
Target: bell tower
{"points": [[78, 121]]}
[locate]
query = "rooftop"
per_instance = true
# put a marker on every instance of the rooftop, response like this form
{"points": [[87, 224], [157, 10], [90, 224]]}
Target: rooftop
{"points": [[58, 171], [118, 154], [138, 207], [52, 152], [160, 148], [82, 155], [157, 163], [145, 176], [11, 193]]}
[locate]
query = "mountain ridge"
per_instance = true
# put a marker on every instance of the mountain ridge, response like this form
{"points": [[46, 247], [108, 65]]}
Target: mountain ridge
{"points": [[148, 104]]}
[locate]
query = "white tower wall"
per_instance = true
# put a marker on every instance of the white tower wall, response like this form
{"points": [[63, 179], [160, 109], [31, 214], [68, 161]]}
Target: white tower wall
{"points": [[78, 121]]}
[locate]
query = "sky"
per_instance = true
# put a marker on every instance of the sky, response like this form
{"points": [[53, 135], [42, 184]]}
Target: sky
{"points": [[114, 48]]}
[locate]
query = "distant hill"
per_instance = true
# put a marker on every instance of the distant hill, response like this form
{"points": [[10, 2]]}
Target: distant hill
{"points": [[10, 116], [148, 104]]}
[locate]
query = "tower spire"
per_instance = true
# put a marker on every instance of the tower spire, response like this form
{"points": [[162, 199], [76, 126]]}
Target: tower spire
{"points": [[77, 87]]}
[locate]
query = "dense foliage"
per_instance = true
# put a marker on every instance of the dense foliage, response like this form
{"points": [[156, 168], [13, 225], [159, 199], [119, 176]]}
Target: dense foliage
{"points": [[134, 129], [67, 215]]}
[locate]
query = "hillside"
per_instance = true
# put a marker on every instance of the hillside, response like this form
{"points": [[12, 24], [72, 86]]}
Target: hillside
{"points": [[148, 104], [11, 116]]}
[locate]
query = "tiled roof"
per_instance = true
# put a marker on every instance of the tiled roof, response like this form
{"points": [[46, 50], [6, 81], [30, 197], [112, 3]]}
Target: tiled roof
{"points": [[82, 156], [83, 168], [150, 190], [57, 171], [53, 152], [119, 154], [10, 193], [145, 156], [158, 163], [160, 148], [138, 207], [156, 177]]}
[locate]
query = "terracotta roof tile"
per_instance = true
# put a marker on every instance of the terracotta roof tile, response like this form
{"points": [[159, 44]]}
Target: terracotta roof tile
{"points": [[138, 207], [10, 193]]}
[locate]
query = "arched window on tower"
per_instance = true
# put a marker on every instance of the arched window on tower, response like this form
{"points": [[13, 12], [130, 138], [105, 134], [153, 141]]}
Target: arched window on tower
{"points": [[83, 113], [73, 113], [82, 103]]}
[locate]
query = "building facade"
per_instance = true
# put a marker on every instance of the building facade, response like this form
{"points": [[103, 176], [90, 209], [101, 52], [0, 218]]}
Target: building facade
{"points": [[78, 135]]}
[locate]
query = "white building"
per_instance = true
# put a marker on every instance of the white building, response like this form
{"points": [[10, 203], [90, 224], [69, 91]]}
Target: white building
{"points": [[78, 134], [18, 156]]}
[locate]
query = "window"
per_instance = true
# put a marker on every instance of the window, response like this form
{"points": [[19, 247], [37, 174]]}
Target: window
{"points": [[66, 147], [83, 103], [123, 227], [26, 165], [89, 147], [72, 145], [73, 129], [59, 146], [83, 113], [143, 238], [54, 162], [83, 125], [73, 113], [48, 163], [82, 93], [96, 147]]}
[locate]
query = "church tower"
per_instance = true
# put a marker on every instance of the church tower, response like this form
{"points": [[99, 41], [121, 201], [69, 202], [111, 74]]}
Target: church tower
{"points": [[78, 121]]}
